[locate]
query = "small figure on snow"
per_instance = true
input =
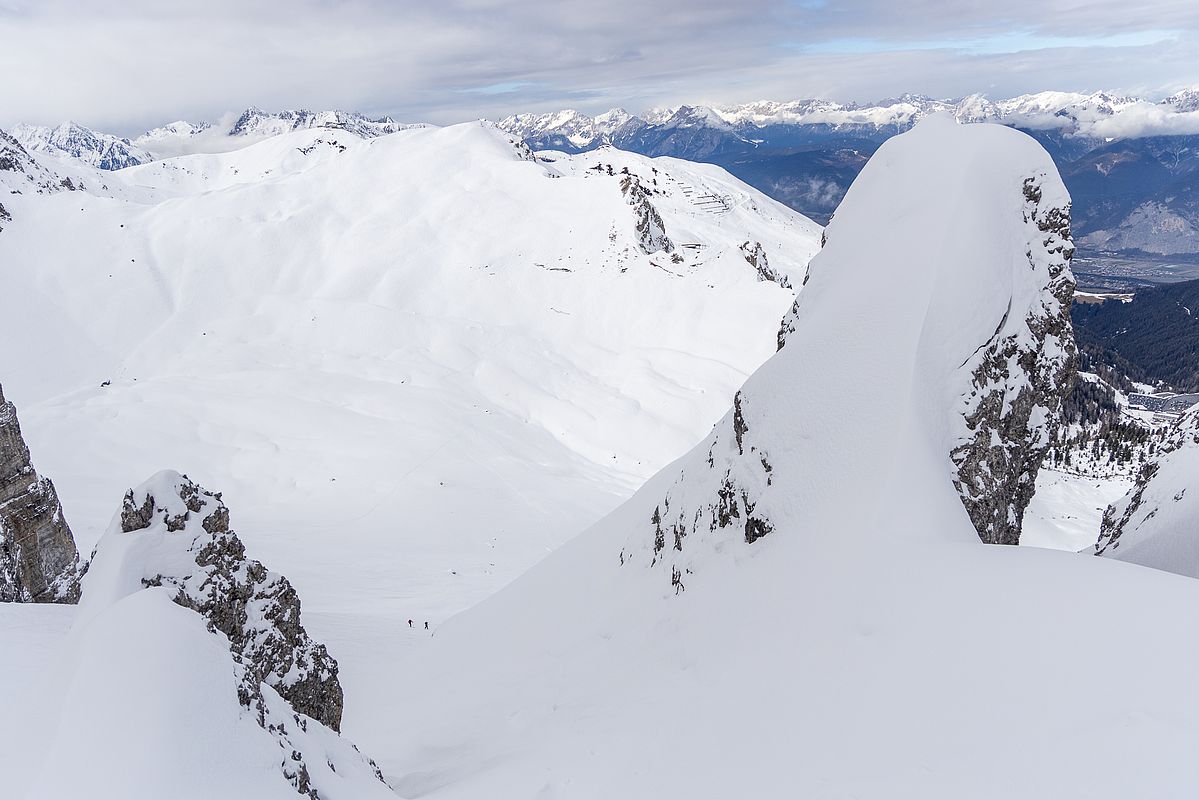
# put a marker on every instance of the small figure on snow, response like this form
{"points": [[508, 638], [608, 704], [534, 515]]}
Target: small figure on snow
{"points": [[409, 623], [426, 624]]}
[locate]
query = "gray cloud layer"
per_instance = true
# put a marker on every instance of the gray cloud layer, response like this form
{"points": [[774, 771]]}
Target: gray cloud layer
{"points": [[130, 64]]}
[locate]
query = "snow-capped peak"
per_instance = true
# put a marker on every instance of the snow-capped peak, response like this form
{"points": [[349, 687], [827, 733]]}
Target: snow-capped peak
{"points": [[77, 142]]}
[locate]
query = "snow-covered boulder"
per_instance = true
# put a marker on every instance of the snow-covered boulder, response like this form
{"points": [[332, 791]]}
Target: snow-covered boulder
{"points": [[38, 559], [1157, 522], [172, 538]]}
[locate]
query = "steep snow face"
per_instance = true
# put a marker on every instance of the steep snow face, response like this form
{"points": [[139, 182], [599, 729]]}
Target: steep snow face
{"points": [[856, 640], [414, 362], [171, 541], [1157, 522], [38, 559], [74, 141]]}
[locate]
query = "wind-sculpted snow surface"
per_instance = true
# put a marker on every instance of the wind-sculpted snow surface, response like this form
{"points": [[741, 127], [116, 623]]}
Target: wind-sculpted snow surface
{"points": [[172, 540], [831, 625], [1156, 523]]}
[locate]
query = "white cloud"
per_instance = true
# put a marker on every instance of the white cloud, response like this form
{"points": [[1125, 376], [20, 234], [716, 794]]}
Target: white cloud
{"points": [[1145, 119], [130, 64]]}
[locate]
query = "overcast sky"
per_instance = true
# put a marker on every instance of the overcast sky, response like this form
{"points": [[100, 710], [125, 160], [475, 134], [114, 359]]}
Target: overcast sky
{"points": [[125, 65]]}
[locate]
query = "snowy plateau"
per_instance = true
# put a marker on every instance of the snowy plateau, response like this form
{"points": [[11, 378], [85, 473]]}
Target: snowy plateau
{"points": [[597, 474]]}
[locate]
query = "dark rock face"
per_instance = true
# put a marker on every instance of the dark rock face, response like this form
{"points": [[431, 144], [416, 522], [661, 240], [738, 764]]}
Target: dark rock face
{"points": [[256, 609], [651, 230], [1020, 378], [38, 559]]}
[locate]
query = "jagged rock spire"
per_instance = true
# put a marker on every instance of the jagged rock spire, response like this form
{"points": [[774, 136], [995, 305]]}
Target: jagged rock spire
{"points": [[38, 559]]}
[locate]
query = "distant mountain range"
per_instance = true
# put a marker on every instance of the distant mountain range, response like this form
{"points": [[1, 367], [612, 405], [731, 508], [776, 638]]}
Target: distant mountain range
{"points": [[1131, 164], [234, 131]]}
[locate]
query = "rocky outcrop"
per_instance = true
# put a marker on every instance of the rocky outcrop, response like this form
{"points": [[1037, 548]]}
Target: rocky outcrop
{"points": [[755, 255], [285, 678], [38, 559], [721, 498], [649, 227], [256, 609], [1157, 522], [1020, 378]]}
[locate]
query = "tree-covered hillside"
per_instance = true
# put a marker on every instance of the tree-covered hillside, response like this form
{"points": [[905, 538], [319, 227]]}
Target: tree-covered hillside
{"points": [[1154, 338]]}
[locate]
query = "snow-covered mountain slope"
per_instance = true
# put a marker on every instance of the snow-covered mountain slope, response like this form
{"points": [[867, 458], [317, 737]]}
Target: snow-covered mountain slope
{"points": [[417, 362], [1157, 522], [74, 141], [867, 645]]}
